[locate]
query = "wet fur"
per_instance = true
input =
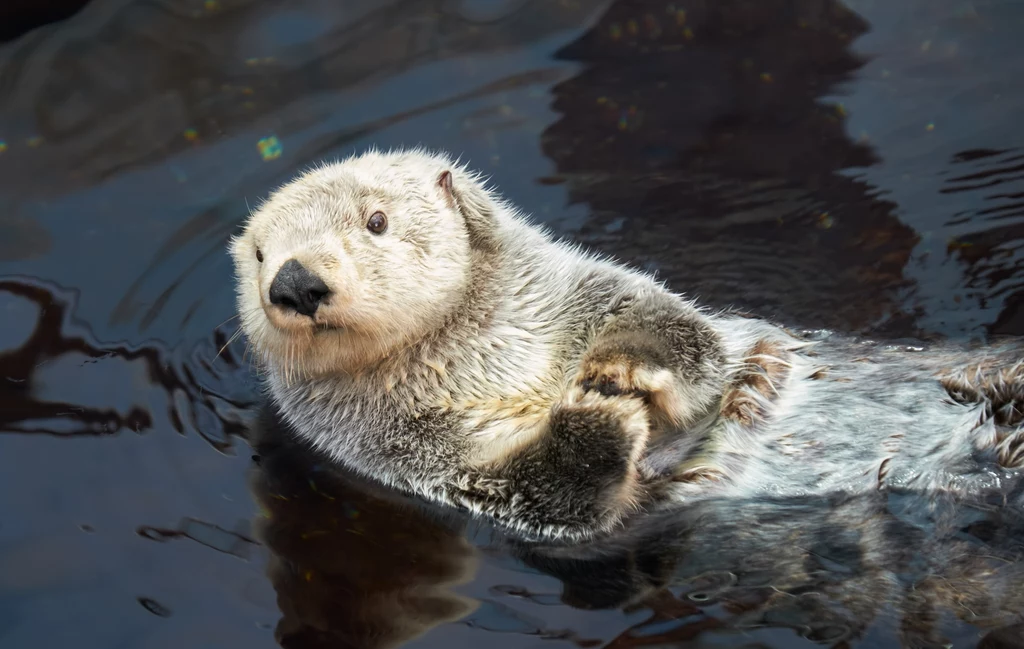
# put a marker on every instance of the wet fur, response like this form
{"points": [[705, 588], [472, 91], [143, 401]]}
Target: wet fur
{"points": [[470, 358]]}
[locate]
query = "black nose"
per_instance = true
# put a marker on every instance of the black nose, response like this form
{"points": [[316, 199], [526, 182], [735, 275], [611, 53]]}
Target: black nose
{"points": [[297, 289]]}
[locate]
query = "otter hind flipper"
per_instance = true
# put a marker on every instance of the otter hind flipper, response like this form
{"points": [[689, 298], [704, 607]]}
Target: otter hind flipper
{"points": [[999, 386]]}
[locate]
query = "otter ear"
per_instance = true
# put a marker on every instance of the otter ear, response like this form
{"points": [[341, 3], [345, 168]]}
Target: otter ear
{"points": [[445, 182], [473, 203]]}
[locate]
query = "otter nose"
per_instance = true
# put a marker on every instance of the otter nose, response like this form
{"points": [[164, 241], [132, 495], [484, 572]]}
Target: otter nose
{"points": [[297, 289]]}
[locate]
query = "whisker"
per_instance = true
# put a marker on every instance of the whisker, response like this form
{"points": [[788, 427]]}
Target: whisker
{"points": [[245, 352], [234, 336], [288, 364], [237, 315], [240, 315]]}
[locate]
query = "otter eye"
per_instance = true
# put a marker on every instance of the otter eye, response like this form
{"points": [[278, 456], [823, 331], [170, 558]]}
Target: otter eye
{"points": [[259, 256], [377, 223]]}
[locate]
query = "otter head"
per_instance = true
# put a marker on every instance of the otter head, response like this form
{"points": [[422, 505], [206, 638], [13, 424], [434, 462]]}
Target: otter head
{"points": [[353, 260]]}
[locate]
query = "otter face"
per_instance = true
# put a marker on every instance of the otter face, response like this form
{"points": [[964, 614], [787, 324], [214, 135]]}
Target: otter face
{"points": [[351, 261]]}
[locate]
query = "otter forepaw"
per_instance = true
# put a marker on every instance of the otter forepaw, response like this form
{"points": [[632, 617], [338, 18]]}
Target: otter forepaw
{"points": [[657, 386], [607, 436], [580, 479], [617, 378]]}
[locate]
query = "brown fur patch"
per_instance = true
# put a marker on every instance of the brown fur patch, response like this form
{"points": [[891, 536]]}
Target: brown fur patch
{"points": [[503, 427], [883, 470], [764, 368]]}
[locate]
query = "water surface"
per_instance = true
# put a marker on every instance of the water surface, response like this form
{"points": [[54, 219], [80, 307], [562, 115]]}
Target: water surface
{"points": [[853, 166]]}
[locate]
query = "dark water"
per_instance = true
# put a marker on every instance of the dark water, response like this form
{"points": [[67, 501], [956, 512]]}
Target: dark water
{"points": [[854, 166]]}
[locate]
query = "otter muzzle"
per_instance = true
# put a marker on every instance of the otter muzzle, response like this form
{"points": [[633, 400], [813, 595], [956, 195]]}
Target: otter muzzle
{"points": [[296, 289]]}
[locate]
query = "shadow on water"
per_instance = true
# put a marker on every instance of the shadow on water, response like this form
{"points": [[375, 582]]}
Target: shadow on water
{"points": [[849, 165]]}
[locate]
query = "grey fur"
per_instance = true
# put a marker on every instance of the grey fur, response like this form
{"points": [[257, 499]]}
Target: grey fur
{"points": [[556, 392]]}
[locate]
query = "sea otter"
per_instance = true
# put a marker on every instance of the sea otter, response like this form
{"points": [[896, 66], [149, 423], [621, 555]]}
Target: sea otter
{"points": [[421, 331]]}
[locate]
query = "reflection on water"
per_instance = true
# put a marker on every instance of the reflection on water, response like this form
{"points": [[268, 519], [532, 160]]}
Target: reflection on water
{"points": [[881, 570], [852, 165]]}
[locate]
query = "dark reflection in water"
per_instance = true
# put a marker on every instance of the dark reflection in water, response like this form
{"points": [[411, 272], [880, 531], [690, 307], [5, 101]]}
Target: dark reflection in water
{"points": [[57, 338], [712, 133], [353, 566], [851, 165]]}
